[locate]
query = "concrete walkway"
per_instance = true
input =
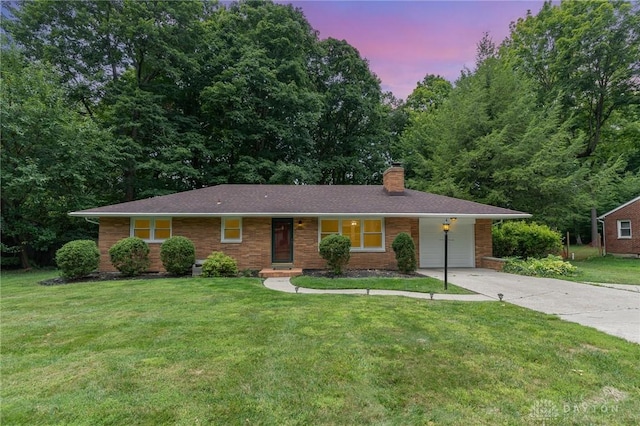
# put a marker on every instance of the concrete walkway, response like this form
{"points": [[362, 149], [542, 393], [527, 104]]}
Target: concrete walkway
{"points": [[284, 285], [614, 310]]}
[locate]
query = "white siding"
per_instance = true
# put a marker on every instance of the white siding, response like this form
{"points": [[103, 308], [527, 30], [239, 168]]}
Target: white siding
{"points": [[461, 246]]}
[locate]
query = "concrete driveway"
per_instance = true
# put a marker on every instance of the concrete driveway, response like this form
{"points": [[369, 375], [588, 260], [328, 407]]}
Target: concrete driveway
{"points": [[615, 311]]}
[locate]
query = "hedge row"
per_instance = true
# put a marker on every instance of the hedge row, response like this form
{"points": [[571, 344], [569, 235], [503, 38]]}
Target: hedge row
{"points": [[130, 256]]}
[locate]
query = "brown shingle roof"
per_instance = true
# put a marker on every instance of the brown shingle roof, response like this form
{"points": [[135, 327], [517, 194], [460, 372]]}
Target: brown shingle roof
{"points": [[300, 200]]}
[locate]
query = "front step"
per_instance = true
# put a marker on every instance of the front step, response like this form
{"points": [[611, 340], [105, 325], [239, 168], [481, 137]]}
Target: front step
{"points": [[280, 273], [282, 266]]}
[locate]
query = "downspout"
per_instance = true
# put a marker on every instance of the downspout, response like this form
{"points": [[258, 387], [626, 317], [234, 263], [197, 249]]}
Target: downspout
{"points": [[604, 238], [91, 221]]}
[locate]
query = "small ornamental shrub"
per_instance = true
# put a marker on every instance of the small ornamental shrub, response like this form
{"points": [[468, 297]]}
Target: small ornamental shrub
{"points": [[78, 258], [178, 254], [130, 256], [336, 250], [525, 240], [218, 264], [550, 266], [405, 251]]}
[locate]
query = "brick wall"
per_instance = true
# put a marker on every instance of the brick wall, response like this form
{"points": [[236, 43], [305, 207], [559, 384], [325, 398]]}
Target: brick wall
{"points": [[305, 244], [492, 263], [112, 229], [306, 254], [615, 245], [393, 180], [255, 250], [484, 240]]}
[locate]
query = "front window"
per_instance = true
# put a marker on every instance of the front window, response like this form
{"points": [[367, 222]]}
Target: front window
{"points": [[365, 234], [624, 229], [151, 229], [231, 230]]}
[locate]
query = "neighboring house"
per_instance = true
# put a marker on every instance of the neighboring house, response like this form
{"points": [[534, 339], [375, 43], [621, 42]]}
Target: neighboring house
{"points": [[621, 229], [280, 226]]}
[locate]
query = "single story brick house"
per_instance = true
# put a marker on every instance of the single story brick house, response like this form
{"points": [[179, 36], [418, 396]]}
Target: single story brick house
{"points": [[280, 226], [621, 229]]}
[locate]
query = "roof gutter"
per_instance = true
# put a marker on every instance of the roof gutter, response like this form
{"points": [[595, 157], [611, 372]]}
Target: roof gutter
{"points": [[299, 214]]}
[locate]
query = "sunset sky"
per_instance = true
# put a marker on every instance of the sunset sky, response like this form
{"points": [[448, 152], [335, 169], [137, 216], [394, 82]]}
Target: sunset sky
{"points": [[405, 40]]}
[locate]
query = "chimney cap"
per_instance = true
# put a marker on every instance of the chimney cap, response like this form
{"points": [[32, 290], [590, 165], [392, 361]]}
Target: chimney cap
{"points": [[396, 164]]}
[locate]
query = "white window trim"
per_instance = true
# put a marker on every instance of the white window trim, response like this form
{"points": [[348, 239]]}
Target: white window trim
{"points": [[222, 227], [152, 228], [362, 233], [624, 237]]}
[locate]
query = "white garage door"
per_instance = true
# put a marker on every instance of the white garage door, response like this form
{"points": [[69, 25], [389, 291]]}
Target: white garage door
{"points": [[461, 246]]}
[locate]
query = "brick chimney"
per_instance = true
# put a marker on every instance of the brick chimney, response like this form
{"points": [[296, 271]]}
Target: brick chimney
{"points": [[393, 179]]}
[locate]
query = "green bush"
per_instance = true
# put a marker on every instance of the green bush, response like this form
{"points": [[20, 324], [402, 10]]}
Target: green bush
{"points": [[130, 256], [550, 266], [78, 258], [525, 240], [178, 254], [218, 264], [336, 250], [405, 251], [9, 255]]}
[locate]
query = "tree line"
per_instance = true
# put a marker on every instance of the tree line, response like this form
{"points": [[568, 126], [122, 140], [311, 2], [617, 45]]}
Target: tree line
{"points": [[111, 101]]}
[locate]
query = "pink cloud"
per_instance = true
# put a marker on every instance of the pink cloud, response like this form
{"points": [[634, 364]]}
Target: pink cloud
{"points": [[405, 40]]}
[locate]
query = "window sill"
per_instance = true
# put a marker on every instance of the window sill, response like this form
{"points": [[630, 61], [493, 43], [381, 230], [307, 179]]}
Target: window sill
{"points": [[372, 250], [230, 241]]}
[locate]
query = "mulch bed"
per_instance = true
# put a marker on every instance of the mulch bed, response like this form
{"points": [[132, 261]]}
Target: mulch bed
{"points": [[357, 273], [112, 276], [105, 276]]}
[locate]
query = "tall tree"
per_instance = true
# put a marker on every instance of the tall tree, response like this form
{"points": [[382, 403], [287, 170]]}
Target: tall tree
{"points": [[491, 142], [53, 159], [351, 143], [584, 53], [259, 103], [130, 64], [429, 94]]}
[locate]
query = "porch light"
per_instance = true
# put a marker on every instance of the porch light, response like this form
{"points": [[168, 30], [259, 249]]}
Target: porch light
{"points": [[354, 223], [445, 227]]}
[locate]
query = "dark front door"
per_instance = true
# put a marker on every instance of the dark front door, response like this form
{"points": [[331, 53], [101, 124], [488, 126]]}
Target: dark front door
{"points": [[282, 241]]}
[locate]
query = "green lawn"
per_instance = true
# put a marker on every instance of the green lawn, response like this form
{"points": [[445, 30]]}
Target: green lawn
{"points": [[214, 351], [583, 252], [417, 284], [608, 269]]}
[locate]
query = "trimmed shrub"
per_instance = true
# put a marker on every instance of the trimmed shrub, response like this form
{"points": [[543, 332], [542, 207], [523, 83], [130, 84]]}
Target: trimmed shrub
{"points": [[336, 250], [218, 264], [525, 240], [550, 266], [130, 256], [178, 254], [405, 251], [78, 258]]}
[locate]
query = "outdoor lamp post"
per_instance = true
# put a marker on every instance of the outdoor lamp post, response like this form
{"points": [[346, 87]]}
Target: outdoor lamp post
{"points": [[445, 228]]}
